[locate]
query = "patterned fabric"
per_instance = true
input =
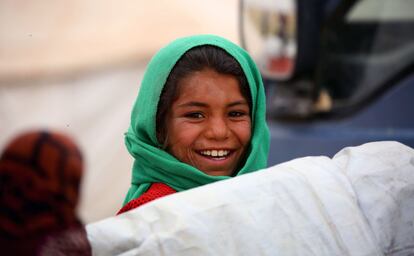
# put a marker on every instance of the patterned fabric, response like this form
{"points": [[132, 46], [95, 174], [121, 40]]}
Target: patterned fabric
{"points": [[40, 174], [70, 242], [155, 191]]}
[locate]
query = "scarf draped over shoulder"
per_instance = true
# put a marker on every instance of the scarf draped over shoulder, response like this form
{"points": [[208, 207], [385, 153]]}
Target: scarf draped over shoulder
{"points": [[152, 163]]}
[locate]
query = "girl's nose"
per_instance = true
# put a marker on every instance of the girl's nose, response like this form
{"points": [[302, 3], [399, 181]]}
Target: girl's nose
{"points": [[217, 129]]}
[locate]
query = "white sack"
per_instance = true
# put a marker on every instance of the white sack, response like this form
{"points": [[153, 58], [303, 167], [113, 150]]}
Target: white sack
{"points": [[382, 175], [308, 206]]}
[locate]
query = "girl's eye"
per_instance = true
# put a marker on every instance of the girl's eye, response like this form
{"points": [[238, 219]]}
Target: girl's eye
{"points": [[237, 114], [195, 115]]}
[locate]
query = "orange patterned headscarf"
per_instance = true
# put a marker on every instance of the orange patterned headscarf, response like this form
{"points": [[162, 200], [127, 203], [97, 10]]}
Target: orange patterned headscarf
{"points": [[40, 174]]}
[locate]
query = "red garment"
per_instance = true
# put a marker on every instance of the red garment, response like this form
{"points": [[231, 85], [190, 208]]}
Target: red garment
{"points": [[156, 190]]}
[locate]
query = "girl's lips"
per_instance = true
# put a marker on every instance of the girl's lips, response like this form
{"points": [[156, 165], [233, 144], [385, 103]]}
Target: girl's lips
{"points": [[216, 155], [221, 165]]}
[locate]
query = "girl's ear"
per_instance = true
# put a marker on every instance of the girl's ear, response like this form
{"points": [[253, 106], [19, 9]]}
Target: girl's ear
{"points": [[162, 137], [166, 142]]}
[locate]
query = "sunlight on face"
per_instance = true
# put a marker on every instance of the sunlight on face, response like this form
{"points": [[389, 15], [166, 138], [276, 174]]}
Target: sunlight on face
{"points": [[209, 125]]}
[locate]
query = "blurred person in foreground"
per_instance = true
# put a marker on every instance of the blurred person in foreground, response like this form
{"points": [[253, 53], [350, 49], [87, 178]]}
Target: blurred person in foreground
{"points": [[199, 118], [40, 174]]}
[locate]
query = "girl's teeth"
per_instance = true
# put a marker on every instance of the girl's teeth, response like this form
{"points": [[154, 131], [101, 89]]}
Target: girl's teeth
{"points": [[215, 153]]}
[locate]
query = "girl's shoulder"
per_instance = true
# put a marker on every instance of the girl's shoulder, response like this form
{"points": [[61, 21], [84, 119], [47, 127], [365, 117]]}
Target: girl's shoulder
{"points": [[156, 190]]}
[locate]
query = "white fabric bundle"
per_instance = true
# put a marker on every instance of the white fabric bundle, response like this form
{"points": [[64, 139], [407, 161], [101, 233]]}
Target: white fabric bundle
{"points": [[361, 202]]}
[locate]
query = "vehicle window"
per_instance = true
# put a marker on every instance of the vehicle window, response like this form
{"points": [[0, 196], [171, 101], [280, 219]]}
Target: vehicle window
{"points": [[370, 49], [382, 10]]}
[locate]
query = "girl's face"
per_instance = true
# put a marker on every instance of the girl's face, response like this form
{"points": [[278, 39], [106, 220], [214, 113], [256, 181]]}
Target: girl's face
{"points": [[209, 125]]}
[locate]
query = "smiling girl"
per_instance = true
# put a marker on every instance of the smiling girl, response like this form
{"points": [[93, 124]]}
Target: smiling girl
{"points": [[199, 118]]}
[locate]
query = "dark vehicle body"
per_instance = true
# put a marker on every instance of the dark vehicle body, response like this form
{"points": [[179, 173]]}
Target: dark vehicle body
{"points": [[352, 81]]}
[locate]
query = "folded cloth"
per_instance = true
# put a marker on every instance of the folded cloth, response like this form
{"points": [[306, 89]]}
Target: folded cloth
{"points": [[307, 206]]}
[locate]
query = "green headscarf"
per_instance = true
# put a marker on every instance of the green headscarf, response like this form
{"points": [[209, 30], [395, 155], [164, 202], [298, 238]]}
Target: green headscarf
{"points": [[152, 163]]}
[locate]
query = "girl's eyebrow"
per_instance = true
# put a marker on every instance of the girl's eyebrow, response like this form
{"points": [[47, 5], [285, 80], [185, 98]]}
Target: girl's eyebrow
{"points": [[193, 104], [203, 104], [240, 102]]}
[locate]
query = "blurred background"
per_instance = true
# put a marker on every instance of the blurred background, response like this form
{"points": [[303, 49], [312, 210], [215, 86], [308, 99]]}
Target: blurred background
{"points": [[337, 73], [76, 66]]}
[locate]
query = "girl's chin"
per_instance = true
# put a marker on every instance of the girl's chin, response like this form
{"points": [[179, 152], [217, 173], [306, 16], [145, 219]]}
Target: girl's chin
{"points": [[215, 172]]}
